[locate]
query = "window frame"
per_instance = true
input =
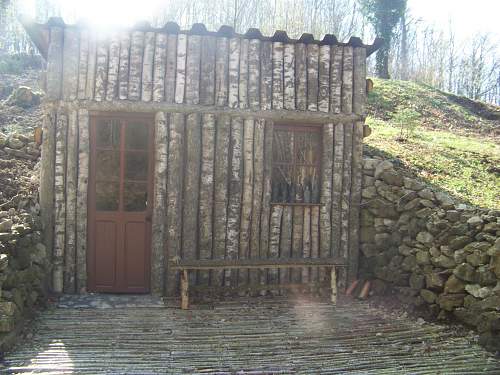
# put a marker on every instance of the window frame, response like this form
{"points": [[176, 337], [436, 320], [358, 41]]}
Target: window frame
{"points": [[296, 128]]}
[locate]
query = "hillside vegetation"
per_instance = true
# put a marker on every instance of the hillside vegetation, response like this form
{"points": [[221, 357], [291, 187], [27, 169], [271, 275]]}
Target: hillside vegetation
{"points": [[448, 141]]}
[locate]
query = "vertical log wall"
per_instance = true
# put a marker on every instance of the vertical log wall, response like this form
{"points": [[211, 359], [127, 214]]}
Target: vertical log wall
{"points": [[212, 170]]}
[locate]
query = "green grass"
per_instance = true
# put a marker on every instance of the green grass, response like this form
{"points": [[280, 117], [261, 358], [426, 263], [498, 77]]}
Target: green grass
{"points": [[452, 148]]}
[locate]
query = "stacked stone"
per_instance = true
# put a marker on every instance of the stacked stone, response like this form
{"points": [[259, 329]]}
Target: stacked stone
{"points": [[434, 253], [23, 269], [19, 145]]}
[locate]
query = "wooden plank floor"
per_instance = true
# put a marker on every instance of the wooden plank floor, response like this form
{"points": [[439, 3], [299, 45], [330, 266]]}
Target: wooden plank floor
{"points": [[257, 336]]}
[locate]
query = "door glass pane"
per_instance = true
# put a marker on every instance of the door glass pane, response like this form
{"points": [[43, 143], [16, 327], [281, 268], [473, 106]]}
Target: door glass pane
{"points": [[136, 166], [136, 136], [107, 196], [135, 196], [108, 134], [107, 165]]}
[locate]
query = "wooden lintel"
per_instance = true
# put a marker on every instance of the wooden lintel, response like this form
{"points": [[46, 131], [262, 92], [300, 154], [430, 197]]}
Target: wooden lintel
{"points": [[290, 116]]}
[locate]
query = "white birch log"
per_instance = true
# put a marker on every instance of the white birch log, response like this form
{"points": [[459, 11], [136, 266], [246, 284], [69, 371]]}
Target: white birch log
{"points": [[222, 72], [286, 241], [234, 72], [160, 204], [297, 240], [277, 75], [71, 55], [123, 70], [254, 74], [159, 69], [101, 74], [312, 76], [347, 82], [266, 75], [336, 79], [135, 65], [193, 69], [147, 67], [314, 239], [346, 190], [301, 76], [180, 70], [289, 75], [306, 242], [243, 76], [274, 240], [55, 63], [338, 172], [82, 63], [82, 200], [326, 190], [207, 80], [71, 187], [113, 67], [91, 67], [359, 89], [171, 68], [324, 79]]}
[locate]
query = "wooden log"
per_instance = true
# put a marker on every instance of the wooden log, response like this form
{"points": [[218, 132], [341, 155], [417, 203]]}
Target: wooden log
{"points": [[312, 76], [338, 172], [266, 75], [326, 191], [258, 168], [235, 190], [207, 83], [306, 241], [289, 75], [297, 240], [184, 290], [190, 224], [180, 70], [174, 193], [71, 54], [289, 263], [160, 65], [277, 75], [47, 171], [247, 195], [55, 63], [359, 80], [81, 200], [354, 219], [274, 240], [347, 82], [124, 65], [135, 65], [324, 79], [59, 202], [71, 188], [113, 67], [160, 204], [264, 251], [286, 241], [234, 72], [91, 67], [82, 63], [243, 76], [254, 74], [333, 285], [101, 75], [346, 190], [336, 79], [193, 61], [206, 191], [314, 239], [147, 67], [222, 132], [171, 68], [301, 76], [222, 72]]}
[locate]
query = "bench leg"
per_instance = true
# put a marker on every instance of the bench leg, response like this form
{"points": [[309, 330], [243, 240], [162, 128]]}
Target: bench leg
{"points": [[333, 282], [184, 290]]}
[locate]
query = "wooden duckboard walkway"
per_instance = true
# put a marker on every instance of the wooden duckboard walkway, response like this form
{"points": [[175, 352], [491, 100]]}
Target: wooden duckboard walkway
{"points": [[256, 336]]}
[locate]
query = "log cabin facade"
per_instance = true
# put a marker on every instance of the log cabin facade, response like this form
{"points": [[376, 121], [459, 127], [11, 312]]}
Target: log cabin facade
{"points": [[163, 143]]}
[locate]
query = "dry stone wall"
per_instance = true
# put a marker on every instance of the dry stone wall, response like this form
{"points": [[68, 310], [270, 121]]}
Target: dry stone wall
{"points": [[438, 255]]}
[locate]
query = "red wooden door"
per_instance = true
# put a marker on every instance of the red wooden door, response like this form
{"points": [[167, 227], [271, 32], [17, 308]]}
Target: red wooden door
{"points": [[120, 196]]}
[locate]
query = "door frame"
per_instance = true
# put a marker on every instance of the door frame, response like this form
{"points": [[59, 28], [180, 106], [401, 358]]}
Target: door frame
{"points": [[95, 116]]}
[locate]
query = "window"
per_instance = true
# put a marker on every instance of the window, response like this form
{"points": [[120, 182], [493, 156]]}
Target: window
{"points": [[296, 164]]}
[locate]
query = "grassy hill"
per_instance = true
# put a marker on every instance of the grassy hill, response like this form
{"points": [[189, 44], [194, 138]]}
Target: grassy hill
{"points": [[448, 141]]}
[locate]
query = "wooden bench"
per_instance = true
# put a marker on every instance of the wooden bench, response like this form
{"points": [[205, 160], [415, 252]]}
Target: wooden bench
{"points": [[215, 264]]}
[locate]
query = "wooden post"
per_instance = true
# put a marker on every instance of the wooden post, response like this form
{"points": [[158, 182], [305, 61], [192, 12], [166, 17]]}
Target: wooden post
{"points": [[180, 71], [266, 75], [277, 75], [101, 75], [338, 172], [243, 75], [82, 64], [324, 79], [184, 290], [297, 240], [207, 76], [314, 239], [285, 242], [306, 241], [135, 65], [171, 68], [254, 74], [234, 72], [91, 67], [336, 79], [71, 188], [301, 76], [274, 240], [222, 71], [55, 63], [347, 82], [160, 204], [346, 190], [326, 191], [160, 64], [123, 70], [333, 284], [193, 61], [113, 67], [71, 55], [147, 67], [82, 200], [359, 80], [289, 75], [60, 202], [312, 76]]}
